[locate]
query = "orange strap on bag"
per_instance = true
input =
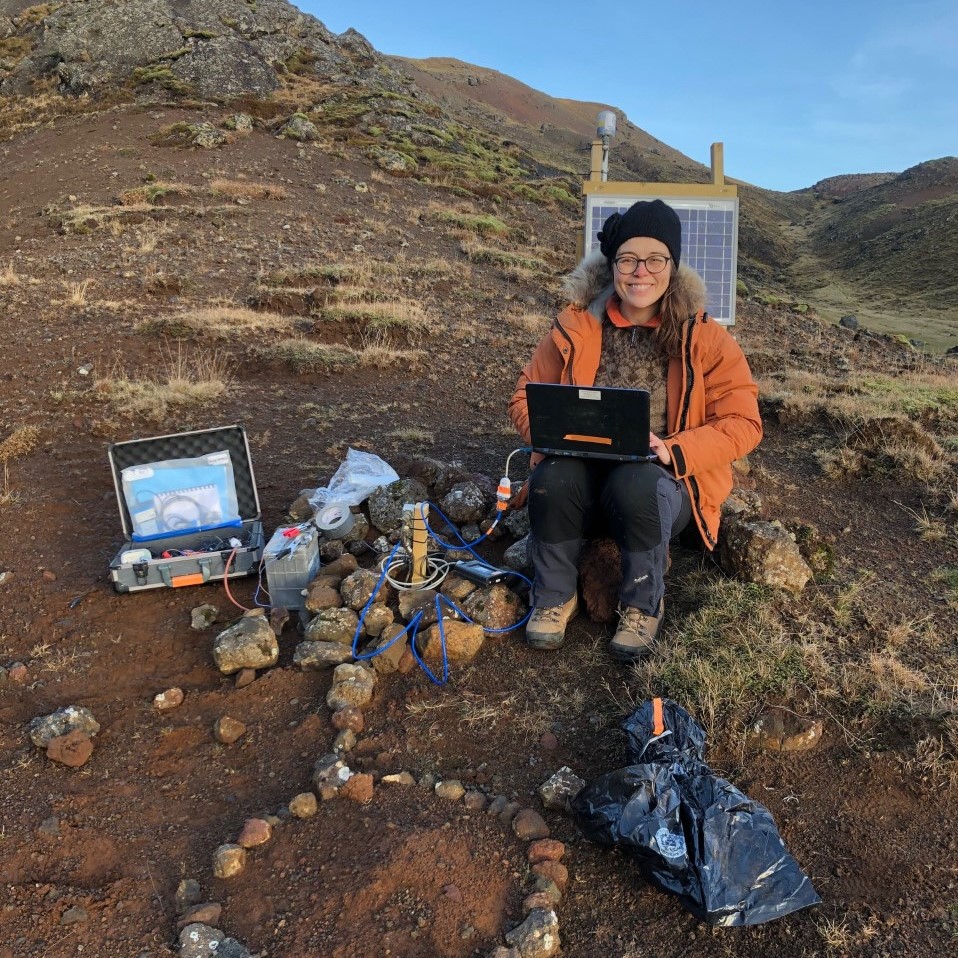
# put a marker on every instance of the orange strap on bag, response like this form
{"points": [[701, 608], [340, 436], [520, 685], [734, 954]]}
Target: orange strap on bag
{"points": [[658, 722]]}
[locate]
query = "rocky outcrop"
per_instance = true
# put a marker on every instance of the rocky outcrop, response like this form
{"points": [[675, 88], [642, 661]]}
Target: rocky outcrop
{"points": [[218, 49]]}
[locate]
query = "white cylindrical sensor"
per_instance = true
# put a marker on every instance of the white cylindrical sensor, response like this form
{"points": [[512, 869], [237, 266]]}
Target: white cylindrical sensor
{"points": [[606, 124]]}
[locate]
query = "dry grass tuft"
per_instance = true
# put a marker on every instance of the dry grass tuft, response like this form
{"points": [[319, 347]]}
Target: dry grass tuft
{"points": [[8, 276], [305, 356], [535, 324], [78, 291], [400, 314], [422, 437], [380, 355], [522, 266], [219, 322], [8, 495], [928, 527], [947, 577], [19, 443], [151, 193], [836, 934], [187, 379]]}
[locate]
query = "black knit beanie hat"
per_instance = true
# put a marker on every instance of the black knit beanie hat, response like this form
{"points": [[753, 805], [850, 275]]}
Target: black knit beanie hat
{"points": [[646, 218]]}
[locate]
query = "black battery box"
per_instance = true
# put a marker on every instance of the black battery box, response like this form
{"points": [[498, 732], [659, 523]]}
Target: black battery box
{"points": [[190, 557]]}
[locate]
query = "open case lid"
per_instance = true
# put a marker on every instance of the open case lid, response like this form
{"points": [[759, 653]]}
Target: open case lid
{"points": [[188, 445]]}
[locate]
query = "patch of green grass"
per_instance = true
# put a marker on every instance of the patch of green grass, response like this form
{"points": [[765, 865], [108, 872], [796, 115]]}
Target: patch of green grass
{"points": [[160, 75], [915, 396], [484, 225], [545, 193], [501, 257], [727, 657], [947, 577], [176, 54], [383, 317], [301, 62]]}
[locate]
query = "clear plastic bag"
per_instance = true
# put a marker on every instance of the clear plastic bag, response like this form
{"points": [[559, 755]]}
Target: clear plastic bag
{"points": [[180, 496], [358, 476]]}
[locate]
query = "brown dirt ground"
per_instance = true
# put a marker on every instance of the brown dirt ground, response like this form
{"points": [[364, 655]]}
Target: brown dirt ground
{"points": [[159, 794]]}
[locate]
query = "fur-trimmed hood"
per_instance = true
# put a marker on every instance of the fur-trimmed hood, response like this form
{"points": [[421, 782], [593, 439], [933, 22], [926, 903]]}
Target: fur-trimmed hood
{"points": [[589, 286]]}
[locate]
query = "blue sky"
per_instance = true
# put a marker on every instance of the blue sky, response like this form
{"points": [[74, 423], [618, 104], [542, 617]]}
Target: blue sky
{"points": [[796, 91]]}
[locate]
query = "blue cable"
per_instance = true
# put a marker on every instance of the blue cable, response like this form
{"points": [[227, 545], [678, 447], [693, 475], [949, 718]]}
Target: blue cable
{"points": [[463, 545]]}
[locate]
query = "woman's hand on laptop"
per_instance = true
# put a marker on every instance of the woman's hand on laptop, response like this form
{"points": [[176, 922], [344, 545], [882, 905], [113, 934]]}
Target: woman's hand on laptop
{"points": [[660, 449]]}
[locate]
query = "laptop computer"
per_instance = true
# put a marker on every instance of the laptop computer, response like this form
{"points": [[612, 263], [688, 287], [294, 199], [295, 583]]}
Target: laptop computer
{"points": [[598, 422]]}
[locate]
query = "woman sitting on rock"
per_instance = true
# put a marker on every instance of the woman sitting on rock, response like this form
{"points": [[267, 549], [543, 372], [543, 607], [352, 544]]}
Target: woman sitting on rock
{"points": [[635, 321]]}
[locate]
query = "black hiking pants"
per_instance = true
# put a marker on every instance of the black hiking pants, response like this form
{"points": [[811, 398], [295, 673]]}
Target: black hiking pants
{"points": [[638, 503]]}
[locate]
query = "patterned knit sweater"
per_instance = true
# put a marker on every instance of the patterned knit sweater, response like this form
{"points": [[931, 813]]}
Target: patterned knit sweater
{"points": [[631, 360]]}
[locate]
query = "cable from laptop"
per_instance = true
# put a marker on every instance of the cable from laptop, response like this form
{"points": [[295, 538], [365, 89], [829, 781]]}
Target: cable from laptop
{"points": [[503, 495]]}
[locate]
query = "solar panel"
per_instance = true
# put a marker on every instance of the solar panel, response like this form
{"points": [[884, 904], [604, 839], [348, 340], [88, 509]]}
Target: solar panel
{"points": [[709, 240]]}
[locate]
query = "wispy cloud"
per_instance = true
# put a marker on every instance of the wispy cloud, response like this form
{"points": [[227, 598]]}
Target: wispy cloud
{"points": [[903, 60]]}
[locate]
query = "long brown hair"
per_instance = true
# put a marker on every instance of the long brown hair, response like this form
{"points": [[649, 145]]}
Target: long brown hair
{"points": [[668, 335]]}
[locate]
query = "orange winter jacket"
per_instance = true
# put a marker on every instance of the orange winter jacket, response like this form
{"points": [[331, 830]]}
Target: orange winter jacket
{"points": [[712, 399]]}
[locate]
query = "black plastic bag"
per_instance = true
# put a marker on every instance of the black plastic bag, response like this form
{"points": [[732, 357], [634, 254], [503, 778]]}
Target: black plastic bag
{"points": [[692, 833]]}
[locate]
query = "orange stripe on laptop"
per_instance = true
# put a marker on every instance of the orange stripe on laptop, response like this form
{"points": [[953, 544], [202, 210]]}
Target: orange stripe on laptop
{"points": [[602, 440]]}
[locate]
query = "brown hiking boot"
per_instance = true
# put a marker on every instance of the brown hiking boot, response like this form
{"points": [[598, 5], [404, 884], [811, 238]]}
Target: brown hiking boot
{"points": [[636, 634], [546, 626]]}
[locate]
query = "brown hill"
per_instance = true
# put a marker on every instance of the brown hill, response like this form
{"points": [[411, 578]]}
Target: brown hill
{"points": [[343, 263], [792, 246]]}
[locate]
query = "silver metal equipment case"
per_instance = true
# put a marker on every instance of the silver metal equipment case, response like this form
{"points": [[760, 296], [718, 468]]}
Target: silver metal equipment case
{"points": [[192, 557]]}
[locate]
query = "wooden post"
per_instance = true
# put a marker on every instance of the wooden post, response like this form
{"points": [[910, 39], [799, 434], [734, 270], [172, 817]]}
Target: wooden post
{"points": [[595, 172], [718, 164], [419, 564]]}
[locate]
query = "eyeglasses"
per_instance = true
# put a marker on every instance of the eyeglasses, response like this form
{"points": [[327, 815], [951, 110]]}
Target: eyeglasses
{"points": [[628, 264]]}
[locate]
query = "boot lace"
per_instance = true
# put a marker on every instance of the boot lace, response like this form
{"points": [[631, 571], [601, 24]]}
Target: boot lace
{"points": [[632, 619], [551, 613]]}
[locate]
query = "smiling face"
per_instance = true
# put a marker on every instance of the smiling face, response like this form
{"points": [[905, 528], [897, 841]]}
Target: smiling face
{"points": [[641, 291]]}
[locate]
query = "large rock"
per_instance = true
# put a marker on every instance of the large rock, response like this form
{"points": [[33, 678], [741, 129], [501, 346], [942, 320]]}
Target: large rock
{"points": [[537, 936], [517, 556], [332, 625], [781, 730], [495, 607], [517, 522], [420, 602], [249, 644], [312, 656], [559, 790], [386, 503], [45, 728], [352, 686], [330, 773], [200, 941], [357, 588], [463, 641], [218, 49], [73, 749], [299, 127], [763, 552], [466, 502]]}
